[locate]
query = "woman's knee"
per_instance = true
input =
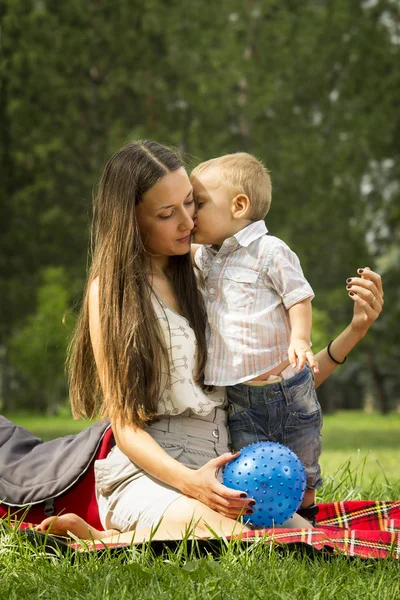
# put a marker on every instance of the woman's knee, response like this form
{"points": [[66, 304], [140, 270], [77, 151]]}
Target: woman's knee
{"points": [[199, 517], [187, 510]]}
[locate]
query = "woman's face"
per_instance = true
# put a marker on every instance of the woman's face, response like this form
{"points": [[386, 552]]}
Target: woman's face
{"points": [[165, 215]]}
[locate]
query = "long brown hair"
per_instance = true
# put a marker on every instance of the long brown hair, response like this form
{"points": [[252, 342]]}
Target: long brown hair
{"points": [[134, 351]]}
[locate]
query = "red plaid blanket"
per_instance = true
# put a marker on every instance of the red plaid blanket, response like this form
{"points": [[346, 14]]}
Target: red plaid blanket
{"points": [[365, 528]]}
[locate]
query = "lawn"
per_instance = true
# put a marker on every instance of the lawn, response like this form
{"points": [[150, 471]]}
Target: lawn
{"points": [[361, 458], [352, 440], [364, 451]]}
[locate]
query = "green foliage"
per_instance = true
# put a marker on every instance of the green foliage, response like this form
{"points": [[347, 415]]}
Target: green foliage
{"points": [[37, 350], [310, 87]]}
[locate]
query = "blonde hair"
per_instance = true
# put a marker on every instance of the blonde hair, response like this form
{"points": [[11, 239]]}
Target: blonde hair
{"points": [[242, 173]]}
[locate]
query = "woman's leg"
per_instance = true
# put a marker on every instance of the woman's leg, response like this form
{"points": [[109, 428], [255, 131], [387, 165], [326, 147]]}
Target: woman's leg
{"points": [[183, 516], [190, 513]]}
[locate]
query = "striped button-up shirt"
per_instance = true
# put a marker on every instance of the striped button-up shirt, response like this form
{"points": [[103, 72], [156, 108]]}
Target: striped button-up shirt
{"points": [[250, 283]]}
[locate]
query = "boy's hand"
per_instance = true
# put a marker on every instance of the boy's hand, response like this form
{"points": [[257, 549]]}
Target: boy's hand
{"points": [[299, 353]]}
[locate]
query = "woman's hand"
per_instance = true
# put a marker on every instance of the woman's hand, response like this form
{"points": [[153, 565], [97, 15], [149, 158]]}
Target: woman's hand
{"points": [[367, 293], [204, 486]]}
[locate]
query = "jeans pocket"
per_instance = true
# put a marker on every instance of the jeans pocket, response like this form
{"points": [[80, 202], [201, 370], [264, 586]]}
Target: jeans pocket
{"points": [[242, 430], [238, 398], [304, 410]]}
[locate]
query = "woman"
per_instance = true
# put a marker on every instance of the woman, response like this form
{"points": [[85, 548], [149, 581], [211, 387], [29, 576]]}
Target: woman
{"points": [[139, 352]]}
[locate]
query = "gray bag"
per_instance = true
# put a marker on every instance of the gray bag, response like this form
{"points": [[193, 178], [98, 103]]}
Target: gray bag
{"points": [[33, 471]]}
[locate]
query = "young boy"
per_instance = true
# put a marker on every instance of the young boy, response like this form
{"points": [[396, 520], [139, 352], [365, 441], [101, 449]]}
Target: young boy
{"points": [[259, 315]]}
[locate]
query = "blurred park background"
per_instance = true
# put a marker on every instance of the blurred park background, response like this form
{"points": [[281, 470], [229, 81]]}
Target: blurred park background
{"points": [[311, 87]]}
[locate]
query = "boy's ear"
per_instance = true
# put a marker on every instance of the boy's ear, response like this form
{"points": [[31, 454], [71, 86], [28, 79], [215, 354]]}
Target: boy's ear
{"points": [[241, 207]]}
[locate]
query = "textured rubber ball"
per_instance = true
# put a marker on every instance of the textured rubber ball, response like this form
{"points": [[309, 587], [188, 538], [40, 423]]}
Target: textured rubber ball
{"points": [[272, 466]]}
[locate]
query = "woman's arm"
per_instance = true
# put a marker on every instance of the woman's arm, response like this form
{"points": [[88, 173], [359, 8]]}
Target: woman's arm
{"points": [[144, 451], [201, 484], [367, 293]]}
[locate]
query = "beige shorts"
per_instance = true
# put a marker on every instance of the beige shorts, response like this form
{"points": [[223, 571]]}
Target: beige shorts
{"points": [[128, 497]]}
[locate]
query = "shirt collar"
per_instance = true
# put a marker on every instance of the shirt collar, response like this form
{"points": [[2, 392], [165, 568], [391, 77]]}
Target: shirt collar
{"points": [[251, 233], [243, 238]]}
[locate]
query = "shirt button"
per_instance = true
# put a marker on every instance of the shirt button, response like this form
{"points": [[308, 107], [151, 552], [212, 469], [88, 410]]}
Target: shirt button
{"points": [[219, 261], [211, 290], [209, 350]]}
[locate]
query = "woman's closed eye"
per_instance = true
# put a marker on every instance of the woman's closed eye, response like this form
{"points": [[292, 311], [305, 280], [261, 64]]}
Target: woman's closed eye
{"points": [[188, 202]]}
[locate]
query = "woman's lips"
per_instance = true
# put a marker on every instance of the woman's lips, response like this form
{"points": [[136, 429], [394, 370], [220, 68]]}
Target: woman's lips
{"points": [[185, 239]]}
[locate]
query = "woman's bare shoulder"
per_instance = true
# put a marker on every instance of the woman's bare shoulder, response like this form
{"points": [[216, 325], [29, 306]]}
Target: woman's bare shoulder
{"points": [[94, 287], [93, 296]]}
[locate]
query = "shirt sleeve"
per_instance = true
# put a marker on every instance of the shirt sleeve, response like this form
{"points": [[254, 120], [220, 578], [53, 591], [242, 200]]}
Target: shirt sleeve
{"points": [[283, 271]]}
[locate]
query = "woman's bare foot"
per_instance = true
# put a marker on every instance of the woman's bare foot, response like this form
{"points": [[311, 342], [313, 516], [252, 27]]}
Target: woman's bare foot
{"points": [[71, 523]]}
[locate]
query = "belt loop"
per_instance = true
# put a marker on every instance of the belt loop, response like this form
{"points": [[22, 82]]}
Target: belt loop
{"points": [[283, 387], [175, 424], [171, 425]]}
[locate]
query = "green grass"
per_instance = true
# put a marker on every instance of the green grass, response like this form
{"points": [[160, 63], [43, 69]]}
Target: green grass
{"points": [[352, 440], [48, 428], [257, 572], [360, 459], [362, 451]]}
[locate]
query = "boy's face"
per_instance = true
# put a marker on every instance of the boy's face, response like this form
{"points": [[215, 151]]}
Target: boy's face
{"points": [[213, 222]]}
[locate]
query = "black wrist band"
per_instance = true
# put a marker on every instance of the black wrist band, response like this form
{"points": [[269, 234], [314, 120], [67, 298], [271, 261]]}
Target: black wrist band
{"points": [[331, 357]]}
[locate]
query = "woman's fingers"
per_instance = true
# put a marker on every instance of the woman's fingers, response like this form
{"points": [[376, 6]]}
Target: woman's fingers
{"points": [[376, 279], [370, 309], [217, 499], [222, 460], [369, 294], [229, 495], [235, 515], [233, 508], [370, 282], [218, 496]]}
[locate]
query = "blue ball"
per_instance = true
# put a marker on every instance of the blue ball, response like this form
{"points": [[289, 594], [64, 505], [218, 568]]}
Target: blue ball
{"points": [[273, 476]]}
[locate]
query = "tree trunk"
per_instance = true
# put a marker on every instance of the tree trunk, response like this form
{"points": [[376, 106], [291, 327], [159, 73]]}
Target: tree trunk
{"points": [[378, 383]]}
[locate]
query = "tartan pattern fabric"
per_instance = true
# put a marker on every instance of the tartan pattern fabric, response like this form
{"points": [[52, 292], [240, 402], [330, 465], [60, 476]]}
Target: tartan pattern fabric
{"points": [[361, 514], [363, 528]]}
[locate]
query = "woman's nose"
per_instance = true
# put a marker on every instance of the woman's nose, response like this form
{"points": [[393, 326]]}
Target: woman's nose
{"points": [[187, 221]]}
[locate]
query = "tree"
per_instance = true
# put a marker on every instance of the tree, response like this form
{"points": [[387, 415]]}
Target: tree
{"points": [[37, 350], [309, 87]]}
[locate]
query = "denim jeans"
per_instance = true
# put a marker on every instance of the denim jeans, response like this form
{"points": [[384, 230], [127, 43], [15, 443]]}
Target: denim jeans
{"points": [[287, 412]]}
